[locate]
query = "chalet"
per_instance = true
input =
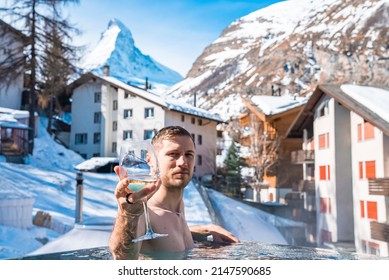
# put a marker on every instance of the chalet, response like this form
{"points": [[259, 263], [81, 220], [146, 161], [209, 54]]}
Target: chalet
{"points": [[264, 125], [14, 134], [348, 126], [11, 46], [106, 111]]}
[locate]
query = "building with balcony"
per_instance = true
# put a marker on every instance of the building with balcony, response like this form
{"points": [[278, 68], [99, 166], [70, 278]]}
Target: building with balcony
{"points": [[263, 128], [349, 128]]}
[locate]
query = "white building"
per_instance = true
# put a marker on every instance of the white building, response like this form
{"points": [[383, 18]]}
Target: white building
{"points": [[106, 111], [11, 45], [349, 125]]}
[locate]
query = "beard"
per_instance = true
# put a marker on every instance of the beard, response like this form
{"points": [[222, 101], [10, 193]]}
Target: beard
{"points": [[176, 180]]}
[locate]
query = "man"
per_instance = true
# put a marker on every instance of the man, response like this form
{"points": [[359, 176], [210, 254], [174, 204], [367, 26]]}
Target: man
{"points": [[175, 150]]}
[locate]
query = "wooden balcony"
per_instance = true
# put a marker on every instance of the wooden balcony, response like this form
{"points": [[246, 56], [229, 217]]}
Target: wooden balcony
{"points": [[303, 156], [379, 186], [379, 231]]}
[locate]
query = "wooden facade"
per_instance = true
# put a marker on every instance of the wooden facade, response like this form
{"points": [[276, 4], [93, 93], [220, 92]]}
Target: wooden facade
{"points": [[270, 155]]}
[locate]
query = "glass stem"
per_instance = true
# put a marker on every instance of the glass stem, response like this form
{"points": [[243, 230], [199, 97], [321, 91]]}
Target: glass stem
{"points": [[147, 218]]}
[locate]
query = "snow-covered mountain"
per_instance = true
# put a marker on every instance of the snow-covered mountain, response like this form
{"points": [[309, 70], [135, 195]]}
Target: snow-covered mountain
{"points": [[290, 47], [116, 48]]}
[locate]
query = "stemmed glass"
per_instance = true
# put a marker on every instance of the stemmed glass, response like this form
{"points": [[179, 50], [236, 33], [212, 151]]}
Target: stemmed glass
{"points": [[139, 164]]}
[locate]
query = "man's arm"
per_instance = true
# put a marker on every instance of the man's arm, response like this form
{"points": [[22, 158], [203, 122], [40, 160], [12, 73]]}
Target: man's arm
{"points": [[129, 220], [219, 234]]}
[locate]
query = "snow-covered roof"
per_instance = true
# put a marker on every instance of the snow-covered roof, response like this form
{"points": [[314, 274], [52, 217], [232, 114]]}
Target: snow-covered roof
{"points": [[164, 101], [18, 114], [271, 105], [375, 99], [8, 118], [95, 162]]}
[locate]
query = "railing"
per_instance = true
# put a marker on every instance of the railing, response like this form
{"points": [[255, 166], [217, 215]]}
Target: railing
{"points": [[379, 186], [379, 231], [303, 156]]}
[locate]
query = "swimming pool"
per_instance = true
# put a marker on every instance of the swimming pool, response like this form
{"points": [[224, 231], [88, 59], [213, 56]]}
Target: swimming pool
{"points": [[208, 251]]}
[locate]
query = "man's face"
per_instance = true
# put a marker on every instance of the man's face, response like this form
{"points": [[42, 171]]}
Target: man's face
{"points": [[176, 158]]}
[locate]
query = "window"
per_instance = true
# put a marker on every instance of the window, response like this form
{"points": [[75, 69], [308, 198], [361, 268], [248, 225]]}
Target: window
{"points": [[370, 169], [148, 134], [219, 152], [371, 248], [193, 137], [183, 118], [81, 138], [97, 117], [322, 110], [325, 205], [98, 97], [96, 138], [367, 170], [200, 139], [365, 131], [127, 113], [324, 141], [199, 160], [368, 209], [129, 95], [114, 147], [114, 126], [149, 113], [200, 122], [324, 173], [372, 210], [114, 105], [127, 134], [219, 134], [193, 120]]}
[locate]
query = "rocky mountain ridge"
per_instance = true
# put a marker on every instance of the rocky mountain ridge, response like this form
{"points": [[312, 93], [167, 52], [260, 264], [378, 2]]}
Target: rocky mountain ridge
{"points": [[289, 48]]}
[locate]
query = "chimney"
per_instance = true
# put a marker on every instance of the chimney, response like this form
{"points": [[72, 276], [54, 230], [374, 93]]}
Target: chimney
{"points": [[106, 70], [194, 99]]}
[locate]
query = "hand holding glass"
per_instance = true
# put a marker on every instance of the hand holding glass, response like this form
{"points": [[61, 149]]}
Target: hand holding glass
{"points": [[140, 164]]}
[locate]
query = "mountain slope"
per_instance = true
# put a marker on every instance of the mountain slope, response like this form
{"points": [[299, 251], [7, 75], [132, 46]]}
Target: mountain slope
{"points": [[127, 63], [290, 47]]}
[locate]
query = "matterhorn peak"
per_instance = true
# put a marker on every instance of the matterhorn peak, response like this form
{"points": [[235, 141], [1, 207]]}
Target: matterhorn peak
{"points": [[116, 48]]}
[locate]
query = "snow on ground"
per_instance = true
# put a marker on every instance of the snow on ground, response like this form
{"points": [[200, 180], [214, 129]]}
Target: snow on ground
{"points": [[49, 177]]}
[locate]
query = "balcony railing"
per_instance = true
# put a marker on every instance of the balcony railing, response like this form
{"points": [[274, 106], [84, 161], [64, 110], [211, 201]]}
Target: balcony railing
{"points": [[379, 186], [303, 156], [379, 231]]}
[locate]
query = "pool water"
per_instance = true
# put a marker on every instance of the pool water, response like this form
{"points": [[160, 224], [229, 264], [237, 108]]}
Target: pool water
{"points": [[208, 251]]}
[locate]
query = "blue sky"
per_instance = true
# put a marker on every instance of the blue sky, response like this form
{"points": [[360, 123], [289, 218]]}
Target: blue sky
{"points": [[173, 32]]}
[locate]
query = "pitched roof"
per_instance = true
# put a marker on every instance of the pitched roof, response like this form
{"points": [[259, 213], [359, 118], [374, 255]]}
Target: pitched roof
{"points": [[13, 30], [370, 103], [163, 101], [265, 106]]}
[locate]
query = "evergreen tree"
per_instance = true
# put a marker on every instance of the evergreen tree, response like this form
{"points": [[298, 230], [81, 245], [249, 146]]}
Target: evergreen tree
{"points": [[232, 165]]}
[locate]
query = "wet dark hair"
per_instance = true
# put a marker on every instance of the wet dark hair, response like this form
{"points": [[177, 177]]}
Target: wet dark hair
{"points": [[170, 132]]}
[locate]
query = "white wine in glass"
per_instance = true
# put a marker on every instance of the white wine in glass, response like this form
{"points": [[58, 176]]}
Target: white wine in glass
{"points": [[140, 164]]}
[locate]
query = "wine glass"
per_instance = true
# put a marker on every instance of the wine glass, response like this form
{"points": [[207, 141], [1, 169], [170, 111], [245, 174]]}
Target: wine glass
{"points": [[138, 162]]}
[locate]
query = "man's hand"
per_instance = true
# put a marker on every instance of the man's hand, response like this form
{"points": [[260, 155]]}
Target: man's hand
{"points": [[122, 190], [219, 234]]}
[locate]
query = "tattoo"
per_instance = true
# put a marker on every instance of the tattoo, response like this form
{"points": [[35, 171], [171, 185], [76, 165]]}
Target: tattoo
{"points": [[124, 231]]}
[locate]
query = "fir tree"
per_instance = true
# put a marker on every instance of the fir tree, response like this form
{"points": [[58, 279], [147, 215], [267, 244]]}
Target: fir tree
{"points": [[232, 165]]}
